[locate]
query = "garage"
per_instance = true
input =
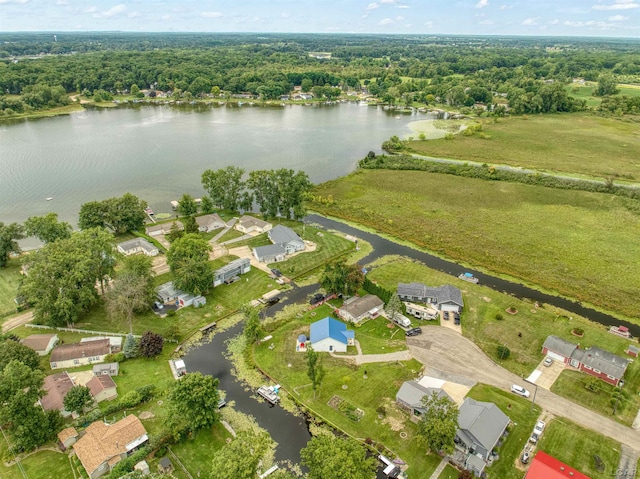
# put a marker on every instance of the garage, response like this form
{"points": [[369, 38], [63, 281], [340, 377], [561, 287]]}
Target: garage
{"points": [[555, 356]]}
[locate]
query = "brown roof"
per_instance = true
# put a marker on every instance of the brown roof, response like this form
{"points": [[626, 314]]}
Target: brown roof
{"points": [[99, 347], [103, 442], [38, 342], [57, 387], [97, 384], [67, 433]]}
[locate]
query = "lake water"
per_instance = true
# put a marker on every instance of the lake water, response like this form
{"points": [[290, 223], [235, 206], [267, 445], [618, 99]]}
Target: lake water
{"points": [[159, 152]]}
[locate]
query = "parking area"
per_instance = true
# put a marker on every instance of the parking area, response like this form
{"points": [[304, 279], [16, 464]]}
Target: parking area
{"points": [[447, 319], [548, 374]]}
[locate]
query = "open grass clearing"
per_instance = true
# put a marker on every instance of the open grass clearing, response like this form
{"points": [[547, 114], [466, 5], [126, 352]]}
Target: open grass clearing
{"points": [[379, 336], [576, 447], [9, 279], [576, 243], [523, 333], [523, 418], [449, 472], [44, 464], [382, 421], [581, 143]]}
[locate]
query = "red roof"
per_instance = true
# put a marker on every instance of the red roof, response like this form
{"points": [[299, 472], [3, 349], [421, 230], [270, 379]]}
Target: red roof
{"points": [[545, 466]]}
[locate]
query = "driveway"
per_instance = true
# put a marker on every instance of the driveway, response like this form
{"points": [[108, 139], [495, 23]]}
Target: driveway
{"points": [[549, 374], [442, 349]]}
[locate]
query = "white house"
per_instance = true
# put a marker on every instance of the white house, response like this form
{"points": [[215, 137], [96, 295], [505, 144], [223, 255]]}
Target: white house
{"points": [[137, 245], [162, 228], [249, 224], [80, 354], [331, 335], [207, 223], [41, 343], [359, 308]]}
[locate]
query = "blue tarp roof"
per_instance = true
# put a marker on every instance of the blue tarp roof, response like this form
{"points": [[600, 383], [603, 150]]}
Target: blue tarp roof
{"points": [[330, 328]]}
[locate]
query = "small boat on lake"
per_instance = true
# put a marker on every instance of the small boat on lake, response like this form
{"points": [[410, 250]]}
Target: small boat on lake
{"points": [[270, 393], [49, 198], [468, 277]]}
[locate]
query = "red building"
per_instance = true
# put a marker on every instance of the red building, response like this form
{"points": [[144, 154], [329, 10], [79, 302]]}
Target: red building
{"points": [[545, 466]]}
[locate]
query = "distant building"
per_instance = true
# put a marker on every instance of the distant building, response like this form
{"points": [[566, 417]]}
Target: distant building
{"points": [[331, 335], [41, 343], [445, 298], [357, 309], [250, 224], [137, 245]]}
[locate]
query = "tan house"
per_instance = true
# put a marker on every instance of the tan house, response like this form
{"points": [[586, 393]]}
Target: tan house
{"points": [[357, 309], [137, 245], [41, 343], [162, 229], [104, 445], [80, 354], [207, 223], [57, 386], [67, 438], [102, 388], [249, 224]]}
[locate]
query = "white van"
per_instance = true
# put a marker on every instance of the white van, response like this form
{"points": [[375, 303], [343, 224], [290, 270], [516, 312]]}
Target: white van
{"points": [[402, 321]]}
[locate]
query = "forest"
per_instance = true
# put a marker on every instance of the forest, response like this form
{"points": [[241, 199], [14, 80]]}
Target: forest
{"points": [[528, 74]]}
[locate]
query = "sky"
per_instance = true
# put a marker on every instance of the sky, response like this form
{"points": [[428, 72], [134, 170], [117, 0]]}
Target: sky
{"points": [[611, 18]]}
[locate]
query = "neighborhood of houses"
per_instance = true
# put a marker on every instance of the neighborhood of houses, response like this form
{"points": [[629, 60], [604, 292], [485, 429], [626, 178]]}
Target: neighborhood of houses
{"points": [[482, 426]]}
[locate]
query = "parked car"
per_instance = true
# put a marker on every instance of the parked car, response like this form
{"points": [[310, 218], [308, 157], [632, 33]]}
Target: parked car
{"points": [[274, 300], [413, 331], [548, 361], [316, 298], [534, 438], [276, 272], [158, 305], [524, 459], [520, 391], [222, 403], [539, 427]]}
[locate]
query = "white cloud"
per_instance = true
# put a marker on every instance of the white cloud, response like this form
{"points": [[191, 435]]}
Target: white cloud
{"points": [[505, 7], [618, 18], [366, 15], [18, 2], [428, 24], [590, 23], [531, 21], [618, 5], [372, 6], [284, 15], [90, 10], [482, 3], [554, 22], [486, 22], [388, 1], [408, 25], [112, 12], [133, 15], [211, 14], [166, 17], [385, 21], [402, 6], [62, 2], [399, 18]]}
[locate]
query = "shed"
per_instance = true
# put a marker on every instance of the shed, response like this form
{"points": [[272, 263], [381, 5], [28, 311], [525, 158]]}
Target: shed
{"points": [[143, 467], [67, 437], [41, 343], [165, 466], [632, 351]]}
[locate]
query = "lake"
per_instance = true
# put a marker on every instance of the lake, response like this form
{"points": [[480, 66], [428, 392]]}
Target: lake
{"points": [[158, 152]]}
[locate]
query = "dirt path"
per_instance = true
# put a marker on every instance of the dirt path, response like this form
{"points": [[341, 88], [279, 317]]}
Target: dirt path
{"points": [[17, 321], [444, 350]]}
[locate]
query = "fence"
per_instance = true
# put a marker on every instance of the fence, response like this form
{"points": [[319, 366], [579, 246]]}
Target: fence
{"points": [[83, 331]]}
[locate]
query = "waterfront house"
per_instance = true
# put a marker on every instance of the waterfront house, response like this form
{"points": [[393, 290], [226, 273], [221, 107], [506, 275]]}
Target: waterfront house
{"points": [[444, 298], [104, 445], [137, 245], [285, 242], [235, 268], [250, 224], [331, 335], [80, 354], [410, 395], [207, 223], [41, 343], [359, 308], [162, 228]]}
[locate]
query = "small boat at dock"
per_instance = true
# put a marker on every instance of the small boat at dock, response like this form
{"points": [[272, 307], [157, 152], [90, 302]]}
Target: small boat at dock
{"points": [[270, 393], [468, 277]]}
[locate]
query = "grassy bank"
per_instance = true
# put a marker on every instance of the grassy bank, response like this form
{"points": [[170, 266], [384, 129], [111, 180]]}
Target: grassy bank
{"points": [[579, 143], [572, 242], [9, 278], [523, 333]]}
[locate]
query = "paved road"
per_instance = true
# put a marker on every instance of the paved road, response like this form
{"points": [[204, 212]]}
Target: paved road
{"points": [[442, 349], [628, 463], [374, 358]]}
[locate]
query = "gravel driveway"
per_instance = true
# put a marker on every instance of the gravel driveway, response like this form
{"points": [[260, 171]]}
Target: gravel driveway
{"points": [[442, 349]]}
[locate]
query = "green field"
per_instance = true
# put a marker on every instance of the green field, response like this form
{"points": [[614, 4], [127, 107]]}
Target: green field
{"points": [[574, 143], [523, 333], [572, 242], [45, 464], [9, 278], [576, 446], [522, 418]]}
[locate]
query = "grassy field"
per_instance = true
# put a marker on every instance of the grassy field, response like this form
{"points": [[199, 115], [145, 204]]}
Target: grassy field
{"points": [[40, 465], [523, 333], [572, 242], [382, 421], [577, 143], [9, 278], [523, 419], [449, 472], [576, 446]]}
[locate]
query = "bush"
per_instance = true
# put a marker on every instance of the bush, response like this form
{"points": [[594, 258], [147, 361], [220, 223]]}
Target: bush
{"points": [[146, 392], [503, 352], [578, 331], [499, 316], [131, 399], [114, 358], [171, 313]]}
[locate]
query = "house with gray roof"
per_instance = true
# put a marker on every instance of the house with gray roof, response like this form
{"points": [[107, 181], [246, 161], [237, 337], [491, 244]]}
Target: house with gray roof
{"points": [[285, 242], [594, 361], [137, 245], [359, 308], [250, 224], [480, 427], [162, 228], [207, 223], [235, 268], [444, 298], [409, 398]]}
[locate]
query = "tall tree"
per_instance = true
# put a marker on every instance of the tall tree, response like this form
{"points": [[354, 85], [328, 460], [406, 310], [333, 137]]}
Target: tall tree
{"points": [[11, 350], [393, 307], [187, 205], [9, 236], [315, 369], [439, 423], [193, 401], [129, 293], [188, 259], [340, 277], [224, 186], [47, 228], [330, 456], [151, 345], [206, 205], [252, 327], [78, 398], [241, 457], [92, 215], [606, 85], [121, 214], [130, 348]]}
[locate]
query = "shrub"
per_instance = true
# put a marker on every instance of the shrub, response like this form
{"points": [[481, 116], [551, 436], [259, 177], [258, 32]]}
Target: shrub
{"points": [[171, 313], [499, 316], [146, 392], [151, 344], [503, 352], [578, 331], [130, 399], [114, 358]]}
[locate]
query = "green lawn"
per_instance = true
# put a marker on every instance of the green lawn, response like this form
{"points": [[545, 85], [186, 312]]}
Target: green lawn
{"points": [[523, 419], [41, 465], [9, 279], [574, 242], [576, 447], [229, 235], [571, 385], [523, 333], [580, 143], [449, 472], [375, 396], [376, 337]]}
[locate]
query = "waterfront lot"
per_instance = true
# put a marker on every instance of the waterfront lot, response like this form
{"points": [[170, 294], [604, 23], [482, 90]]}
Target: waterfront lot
{"points": [[574, 242], [9, 279], [577, 143]]}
